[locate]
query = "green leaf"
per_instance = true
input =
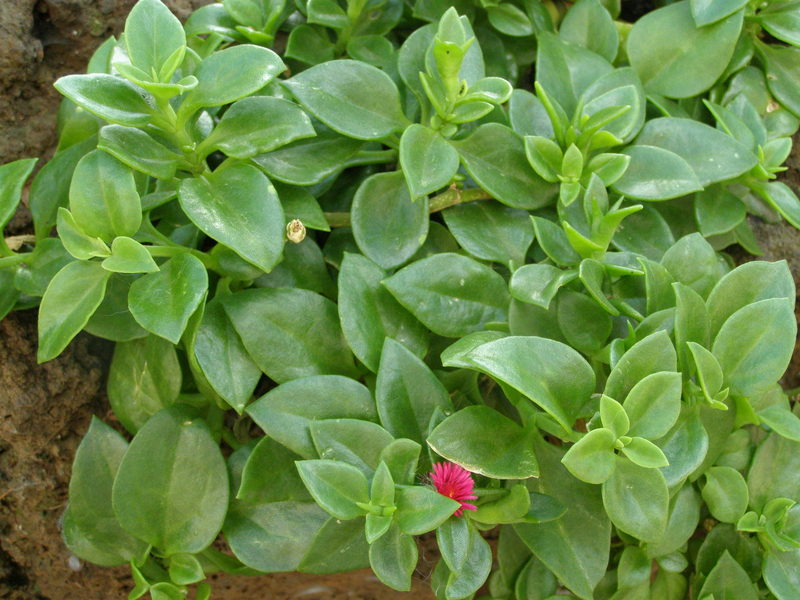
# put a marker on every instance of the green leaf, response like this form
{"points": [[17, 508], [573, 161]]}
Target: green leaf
{"points": [[237, 206], [728, 580], [257, 124], [336, 486], [477, 568], [781, 20], [645, 454], [717, 211], [509, 19], [369, 313], [705, 12], [421, 509], [162, 302], [585, 324], [565, 71], [747, 284], [311, 341], [712, 154], [656, 174], [77, 243], [353, 441], [686, 446], [650, 355], [549, 373], [310, 45], [138, 150], [152, 36], [401, 458], [173, 452], [491, 231], [387, 225], [333, 92], [47, 259], [453, 538], [697, 55], [230, 74], [782, 198], [12, 178], [129, 256], [428, 161], [71, 298], [781, 66], [539, 283], [393, 558], [270, 475], [684, 516], [222, 356], [303, 266], [575, 547], [613, 416], [185, 569], [588, 24], [324, 397], [483, 441], [94, 533], [653, 403], [511, 508], [109, 97], [103, 197], [554, 242], [145, 377], [451, 294], [407, 393], [309, 161], [755, 344], [494, 156], [771, 472], [637, 500], [112, 320], [781, 573], [274, 536], [592, 458], [338, 546], [725, 493], [327, 13]]}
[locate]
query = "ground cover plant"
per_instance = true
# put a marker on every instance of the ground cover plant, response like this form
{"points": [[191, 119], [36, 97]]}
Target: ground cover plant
{"points": [[431, 268]]}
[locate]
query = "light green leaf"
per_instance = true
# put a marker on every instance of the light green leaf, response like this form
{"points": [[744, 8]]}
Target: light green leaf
{"points": [[428, 161], [637, 500], [237, 206], [172, 453], [71, 298]]}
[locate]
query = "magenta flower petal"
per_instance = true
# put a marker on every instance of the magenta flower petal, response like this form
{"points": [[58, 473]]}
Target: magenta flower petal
{"points": [[455, 482]]}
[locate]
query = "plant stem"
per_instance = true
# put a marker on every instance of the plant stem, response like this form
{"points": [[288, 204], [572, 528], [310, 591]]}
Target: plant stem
{"points": [[451, 197]]}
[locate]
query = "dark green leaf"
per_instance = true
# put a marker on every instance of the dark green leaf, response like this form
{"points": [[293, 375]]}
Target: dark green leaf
{"points": [[311, 341], [109, 97], [494, 156], [336, 486], [451, 294], [324, 397], [388, 226], [428, 161], [369, 313], [393, 558], [12, 178], [491, 231], [138, 150]]}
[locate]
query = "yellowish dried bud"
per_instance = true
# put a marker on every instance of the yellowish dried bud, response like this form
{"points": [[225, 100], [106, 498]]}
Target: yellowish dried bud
{"points": [[295, 231]]}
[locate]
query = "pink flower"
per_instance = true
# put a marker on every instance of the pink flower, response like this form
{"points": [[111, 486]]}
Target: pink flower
{"points": [[454, 482]]}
